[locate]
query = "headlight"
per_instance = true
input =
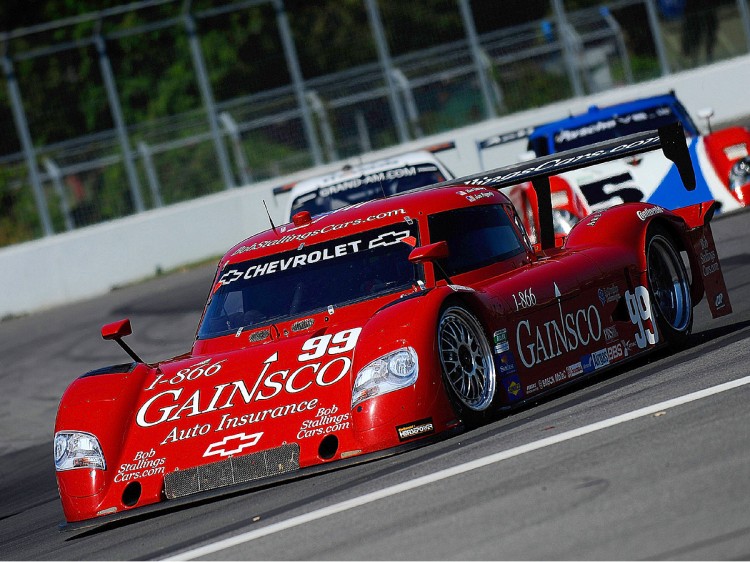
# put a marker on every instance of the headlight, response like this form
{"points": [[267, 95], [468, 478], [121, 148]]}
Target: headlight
{"points": [[390, 372], [739, 175], [76, 449]]}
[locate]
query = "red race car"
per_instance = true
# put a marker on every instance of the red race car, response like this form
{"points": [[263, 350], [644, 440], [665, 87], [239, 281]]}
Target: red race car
{"points": [[380, 327]]}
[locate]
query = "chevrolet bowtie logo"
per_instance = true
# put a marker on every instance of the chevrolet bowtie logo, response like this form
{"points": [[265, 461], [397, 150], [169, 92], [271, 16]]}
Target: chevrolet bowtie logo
{"points": [[241, 441]]}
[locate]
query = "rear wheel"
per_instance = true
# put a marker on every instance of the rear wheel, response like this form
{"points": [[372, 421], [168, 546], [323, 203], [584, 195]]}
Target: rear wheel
{"points": [[467, 364], [669, 285]]}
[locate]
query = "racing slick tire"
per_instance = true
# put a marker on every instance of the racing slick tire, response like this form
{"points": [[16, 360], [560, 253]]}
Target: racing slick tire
{"points": [[467, 365], [669, 286]]}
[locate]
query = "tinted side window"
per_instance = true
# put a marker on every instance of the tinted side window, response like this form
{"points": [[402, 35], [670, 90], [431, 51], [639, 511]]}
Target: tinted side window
{"points": [[476, 237]]}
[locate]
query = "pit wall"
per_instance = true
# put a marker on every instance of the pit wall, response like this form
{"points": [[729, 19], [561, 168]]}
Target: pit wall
{"points": [[91, 261]]}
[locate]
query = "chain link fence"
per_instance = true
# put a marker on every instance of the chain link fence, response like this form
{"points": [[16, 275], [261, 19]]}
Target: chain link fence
{"points": [[110, 135]]}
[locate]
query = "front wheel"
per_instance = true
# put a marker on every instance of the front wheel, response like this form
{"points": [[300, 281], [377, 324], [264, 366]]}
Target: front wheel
{"points": [[669, 286], [467, 364]]}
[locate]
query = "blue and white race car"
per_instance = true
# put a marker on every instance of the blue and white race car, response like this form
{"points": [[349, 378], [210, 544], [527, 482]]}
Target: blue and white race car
{"points": [[720, 158]]}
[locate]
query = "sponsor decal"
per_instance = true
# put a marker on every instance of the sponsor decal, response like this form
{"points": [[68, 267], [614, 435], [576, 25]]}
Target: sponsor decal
{"points": [[206, 368], [594, 218], [144, 463], [415, 429], [639, 309], [539, 343], [600, 358], [368, 179], [574, 370], [513, 385], [719, 301], [587, 363], [615, 352], [326, 421], [552, 380], [500, 339], [606, 125], [709, 263], [302, 236], [506, 363], [628, 347], [609, 294], [533, 387], [554, 163], [524, 299], [646, 213], [233, 444], [610, 333], [388, 239], [171, 406]]}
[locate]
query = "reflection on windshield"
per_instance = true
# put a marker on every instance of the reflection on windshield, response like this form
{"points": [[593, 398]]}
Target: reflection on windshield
{"points": [[309, 279], [367, 187]]}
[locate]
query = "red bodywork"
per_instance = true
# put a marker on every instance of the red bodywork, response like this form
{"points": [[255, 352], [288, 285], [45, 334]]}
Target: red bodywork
{"points": [[725, 148], [273, 400]]}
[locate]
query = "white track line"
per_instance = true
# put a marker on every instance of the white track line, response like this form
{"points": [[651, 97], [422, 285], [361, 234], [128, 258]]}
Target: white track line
{"points": [[218, 546]]}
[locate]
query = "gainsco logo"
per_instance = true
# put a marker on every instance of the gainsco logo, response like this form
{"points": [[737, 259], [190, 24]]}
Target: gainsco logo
{"points": [[170, 405], [415, 429], [539, 343]]}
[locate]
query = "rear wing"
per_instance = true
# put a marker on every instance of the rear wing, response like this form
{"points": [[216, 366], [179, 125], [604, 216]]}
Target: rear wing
{"points": [[670, 138]]}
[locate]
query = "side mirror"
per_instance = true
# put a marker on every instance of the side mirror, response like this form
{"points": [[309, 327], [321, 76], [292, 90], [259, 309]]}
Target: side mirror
{"points": [[430, 252], [118, 330]]}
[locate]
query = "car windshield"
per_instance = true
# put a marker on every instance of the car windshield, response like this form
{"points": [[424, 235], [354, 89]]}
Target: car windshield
{"points": [[367, 187], [608, 128], [309, 279]]}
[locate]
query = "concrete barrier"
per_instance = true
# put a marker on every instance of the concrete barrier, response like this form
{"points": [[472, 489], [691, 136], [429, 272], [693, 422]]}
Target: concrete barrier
{"points": [[91, 261]]}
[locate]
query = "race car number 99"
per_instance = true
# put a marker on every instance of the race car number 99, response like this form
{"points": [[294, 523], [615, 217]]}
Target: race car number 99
{"points": [[318, 346]]}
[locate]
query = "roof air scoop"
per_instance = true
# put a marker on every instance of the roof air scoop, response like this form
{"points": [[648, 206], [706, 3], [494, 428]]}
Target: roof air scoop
{"points": [[303, 218]]}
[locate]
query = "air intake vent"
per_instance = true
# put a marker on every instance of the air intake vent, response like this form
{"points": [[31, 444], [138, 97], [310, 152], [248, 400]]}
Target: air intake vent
{"points": [[233, 470], [302, 324], [260, 335]]}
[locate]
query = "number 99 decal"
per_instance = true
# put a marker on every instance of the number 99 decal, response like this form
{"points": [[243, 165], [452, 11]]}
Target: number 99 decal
{"points": [[639, 308], [332, 344]]}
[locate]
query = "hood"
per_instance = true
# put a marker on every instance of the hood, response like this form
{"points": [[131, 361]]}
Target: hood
{"points": [[286, 390]]}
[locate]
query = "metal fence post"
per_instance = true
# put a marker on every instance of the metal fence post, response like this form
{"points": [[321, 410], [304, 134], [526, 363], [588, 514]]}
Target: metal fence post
{"points": [[476, 55], [661, 51], [22, 127], [745, 16], [620, 40], [409, 101], [153, 179], [208, 100], [239, 155], [316, 104], [292, 61], [385, 62], [569, 49], [53, 171], [116, 111]]}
